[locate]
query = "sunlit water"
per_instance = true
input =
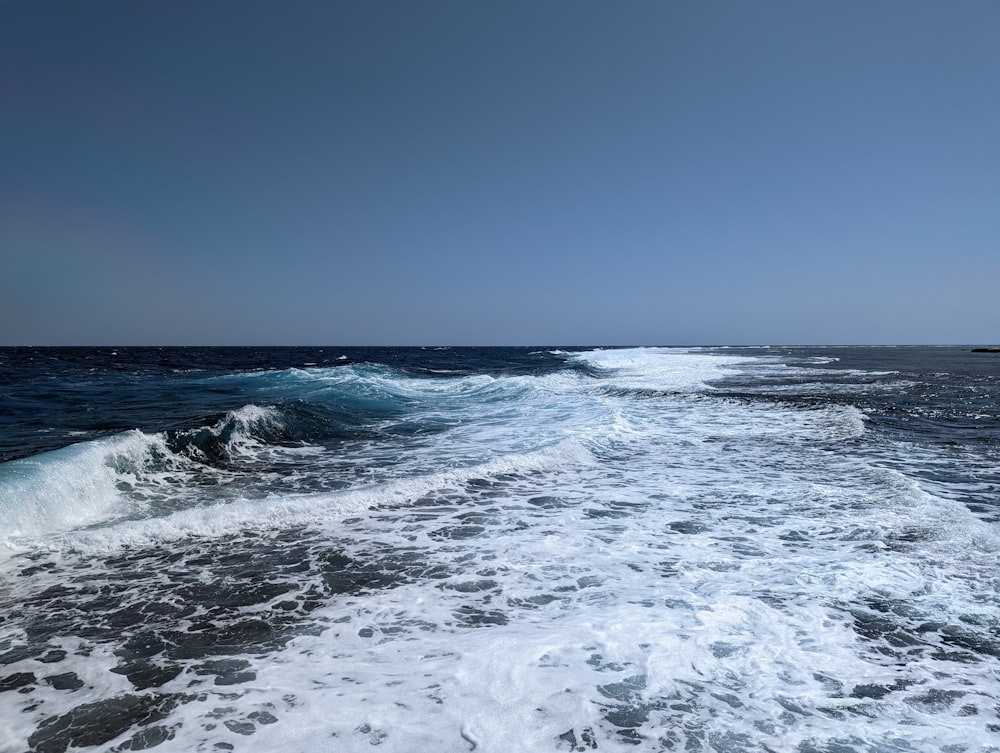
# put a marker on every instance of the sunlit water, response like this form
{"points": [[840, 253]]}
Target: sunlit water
{"points": [[520, 550]]}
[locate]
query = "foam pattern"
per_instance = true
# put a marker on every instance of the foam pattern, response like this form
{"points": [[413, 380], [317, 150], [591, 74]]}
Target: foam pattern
{"points": [[628, 557]]}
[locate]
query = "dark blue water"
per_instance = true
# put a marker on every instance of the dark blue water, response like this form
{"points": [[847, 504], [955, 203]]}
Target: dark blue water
{"points": [[494, 549], [50, 395]]}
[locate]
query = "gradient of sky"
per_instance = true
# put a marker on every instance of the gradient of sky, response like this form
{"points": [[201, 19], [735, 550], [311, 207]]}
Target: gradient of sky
{"points": [[486, 172]]}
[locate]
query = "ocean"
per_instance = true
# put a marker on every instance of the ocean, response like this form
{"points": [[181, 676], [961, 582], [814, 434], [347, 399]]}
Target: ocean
{"points": [[500, 549]]}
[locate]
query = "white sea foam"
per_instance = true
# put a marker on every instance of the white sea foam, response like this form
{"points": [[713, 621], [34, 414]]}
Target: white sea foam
{"points": [[662, 571], [128, 475], [312, 509], [72, 487], [660, 368], [241, 425], [728, 629]]}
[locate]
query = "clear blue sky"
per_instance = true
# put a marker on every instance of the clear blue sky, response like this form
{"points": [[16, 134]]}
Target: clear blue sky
{"points": [[487, 172]]}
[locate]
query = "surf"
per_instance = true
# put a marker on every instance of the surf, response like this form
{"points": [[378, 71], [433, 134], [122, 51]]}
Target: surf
{"points": [[638, 548]]}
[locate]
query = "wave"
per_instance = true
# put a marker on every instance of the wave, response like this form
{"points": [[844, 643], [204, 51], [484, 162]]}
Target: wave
{"points": [[240, 434], [314, 435], [71, 487], [660, 369], [383, 389], [296, 449], [131, 474], [360, 391], [315, 509], [321, 431]]}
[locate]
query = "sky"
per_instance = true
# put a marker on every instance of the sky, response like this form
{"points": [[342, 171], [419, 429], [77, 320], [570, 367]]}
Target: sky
{"points": [[487, 172]]}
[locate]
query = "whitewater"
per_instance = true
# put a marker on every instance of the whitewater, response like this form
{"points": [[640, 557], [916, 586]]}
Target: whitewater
{"points": [[555, 549]]}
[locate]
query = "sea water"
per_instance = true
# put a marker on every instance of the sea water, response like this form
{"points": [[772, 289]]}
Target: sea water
{"points": [[520, 549]]}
